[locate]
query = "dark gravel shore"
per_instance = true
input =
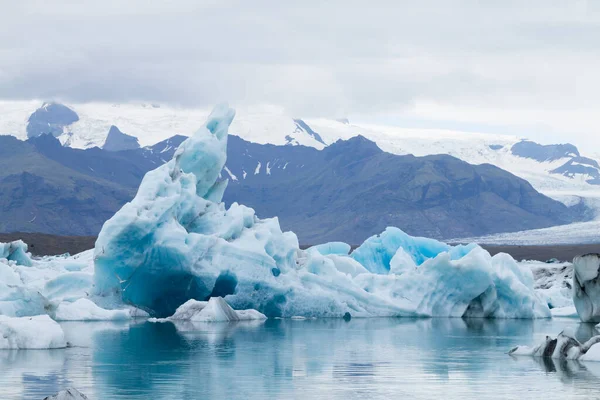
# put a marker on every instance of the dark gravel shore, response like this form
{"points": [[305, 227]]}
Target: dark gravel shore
{"points": [[42, 244]]}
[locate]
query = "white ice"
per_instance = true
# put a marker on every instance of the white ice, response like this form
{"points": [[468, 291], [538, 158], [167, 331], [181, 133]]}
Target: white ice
{"points": [[37, 332], [215, 309], [86, 310], [565, 346]]}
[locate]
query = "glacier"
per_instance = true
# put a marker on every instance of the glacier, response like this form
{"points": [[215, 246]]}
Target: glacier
{"points": [[176, 241]]}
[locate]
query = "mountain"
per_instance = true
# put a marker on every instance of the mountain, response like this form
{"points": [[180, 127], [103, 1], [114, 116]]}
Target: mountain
{"points": [[352, 189], [50, 118], [347, 191], [49, 188], [118, 141], [559, 171]]}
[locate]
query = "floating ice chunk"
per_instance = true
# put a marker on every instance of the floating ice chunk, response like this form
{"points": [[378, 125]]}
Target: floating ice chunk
{"points": [[586, 287], [68, 394], [338, 248], [215, 309], [38, 332], [565, 346], [16, 251], [86, 310]]}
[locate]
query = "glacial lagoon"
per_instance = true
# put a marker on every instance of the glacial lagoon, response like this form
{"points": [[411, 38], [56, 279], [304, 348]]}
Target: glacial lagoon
{"points": [[377, 358]]}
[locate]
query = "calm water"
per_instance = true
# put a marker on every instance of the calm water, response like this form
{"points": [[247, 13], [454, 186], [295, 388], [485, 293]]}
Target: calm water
{"points": [[311, 359]]}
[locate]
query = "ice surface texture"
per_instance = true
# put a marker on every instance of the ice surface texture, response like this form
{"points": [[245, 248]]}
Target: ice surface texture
{"points": [[586, 288], [175, 241]]}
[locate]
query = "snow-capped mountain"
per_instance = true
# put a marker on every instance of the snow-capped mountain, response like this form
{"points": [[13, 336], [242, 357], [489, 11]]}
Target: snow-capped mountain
{"points": [[559, 171]]}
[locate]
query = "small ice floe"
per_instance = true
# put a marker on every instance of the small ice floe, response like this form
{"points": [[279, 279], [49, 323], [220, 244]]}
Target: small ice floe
{"points": [[39, 332], [215, 309], [565, 347]]}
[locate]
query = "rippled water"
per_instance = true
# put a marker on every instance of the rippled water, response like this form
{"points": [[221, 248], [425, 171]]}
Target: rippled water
{"points": [[310, 359]]}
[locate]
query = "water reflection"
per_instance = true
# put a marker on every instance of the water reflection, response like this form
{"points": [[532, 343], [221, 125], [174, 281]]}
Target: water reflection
{"points": [[317, 359]]}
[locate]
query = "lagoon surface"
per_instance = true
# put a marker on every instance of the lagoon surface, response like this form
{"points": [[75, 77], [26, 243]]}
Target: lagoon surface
{"points": [[302, 359]]}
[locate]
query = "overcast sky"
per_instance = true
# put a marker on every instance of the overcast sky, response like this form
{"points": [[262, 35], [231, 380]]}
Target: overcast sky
{"points": [[524, 67]]}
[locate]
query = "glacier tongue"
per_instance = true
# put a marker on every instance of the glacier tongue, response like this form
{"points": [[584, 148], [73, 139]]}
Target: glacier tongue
{"points": [[175, 241]]}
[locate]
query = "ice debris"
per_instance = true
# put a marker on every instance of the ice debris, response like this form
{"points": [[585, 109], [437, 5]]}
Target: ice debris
{"points": [[214, 310], [176, 241], [38, 332], [565, 346], [586, 287]]}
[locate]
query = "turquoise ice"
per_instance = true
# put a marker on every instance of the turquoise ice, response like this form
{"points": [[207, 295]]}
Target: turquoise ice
{"points": [[176, 241]]}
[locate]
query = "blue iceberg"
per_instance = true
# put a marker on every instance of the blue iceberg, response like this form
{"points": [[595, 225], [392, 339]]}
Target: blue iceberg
{"points": [[176, 241]]}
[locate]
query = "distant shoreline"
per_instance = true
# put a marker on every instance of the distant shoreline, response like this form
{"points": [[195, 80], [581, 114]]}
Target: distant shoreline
{"points": [[41, 244]]}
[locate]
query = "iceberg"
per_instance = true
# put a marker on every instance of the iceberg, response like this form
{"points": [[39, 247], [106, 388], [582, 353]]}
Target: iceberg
{"points": [[565, 347], [15, 251], [38, 332], [214, 310], [176, 241], [586, 288]]}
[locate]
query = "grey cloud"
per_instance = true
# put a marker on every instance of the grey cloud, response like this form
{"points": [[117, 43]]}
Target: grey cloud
{"points": [[316, 58]]}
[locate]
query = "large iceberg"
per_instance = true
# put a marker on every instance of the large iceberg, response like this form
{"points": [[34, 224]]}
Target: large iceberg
{"points": [[176, 241]]}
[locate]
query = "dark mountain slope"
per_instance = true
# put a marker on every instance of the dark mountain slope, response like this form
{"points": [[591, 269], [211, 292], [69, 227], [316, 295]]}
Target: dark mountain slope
{"points": [[352, 189], [348, 191]]}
